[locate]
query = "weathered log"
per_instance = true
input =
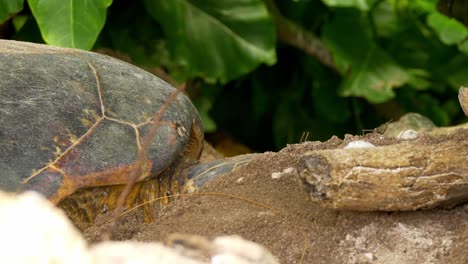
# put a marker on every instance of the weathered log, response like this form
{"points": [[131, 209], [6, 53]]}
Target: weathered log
{"points": [[427, 172]]}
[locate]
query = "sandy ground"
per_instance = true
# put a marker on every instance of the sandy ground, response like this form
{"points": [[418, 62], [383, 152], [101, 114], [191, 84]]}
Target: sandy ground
{"points": [[277, 213]]}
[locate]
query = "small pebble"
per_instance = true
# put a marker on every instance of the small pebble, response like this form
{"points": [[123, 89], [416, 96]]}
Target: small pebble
{"points": [[408, 134], [359, 144], [277, 175], [369, 255]]}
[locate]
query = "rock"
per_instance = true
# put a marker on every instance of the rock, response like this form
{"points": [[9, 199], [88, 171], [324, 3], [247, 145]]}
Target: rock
{"points": [[413, 121], [34, 231], [137, 252], [223, 249], [234, 249], [408, 134], [359, 144]]}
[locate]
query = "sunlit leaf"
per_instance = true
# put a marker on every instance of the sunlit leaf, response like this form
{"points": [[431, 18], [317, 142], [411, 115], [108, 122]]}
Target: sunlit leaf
{"points": [[449, 30], [70, 23], [360, 4]]}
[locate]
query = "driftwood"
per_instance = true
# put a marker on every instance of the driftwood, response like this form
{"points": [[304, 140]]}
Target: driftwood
{"points": [[423, 173]]}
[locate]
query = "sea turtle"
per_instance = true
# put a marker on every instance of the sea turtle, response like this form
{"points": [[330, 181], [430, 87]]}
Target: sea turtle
{"points": [[72, 124]]}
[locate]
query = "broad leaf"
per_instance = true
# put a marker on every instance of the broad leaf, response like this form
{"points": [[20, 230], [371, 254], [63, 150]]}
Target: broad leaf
{"points": [[420, 6], [360, 4], [449, 30], [368, 70], [70, 23], [9, 8], [218, 40], [463, 46], [387, 20]]}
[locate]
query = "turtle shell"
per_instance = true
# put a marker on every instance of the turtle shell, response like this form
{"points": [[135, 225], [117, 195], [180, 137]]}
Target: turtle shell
{"points": [[72, 119]]}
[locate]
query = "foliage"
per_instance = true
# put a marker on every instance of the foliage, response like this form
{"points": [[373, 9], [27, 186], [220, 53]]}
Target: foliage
{"points": [[223, 35], [9, 8], [70, 23], [389, 57], [371, 71]]}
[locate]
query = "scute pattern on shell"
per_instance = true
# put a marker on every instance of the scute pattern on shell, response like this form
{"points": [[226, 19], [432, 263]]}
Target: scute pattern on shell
{"points": [[73, 119]]}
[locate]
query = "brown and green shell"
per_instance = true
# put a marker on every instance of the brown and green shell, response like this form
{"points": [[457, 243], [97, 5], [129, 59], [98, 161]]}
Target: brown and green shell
{"points": [[72, 120]]}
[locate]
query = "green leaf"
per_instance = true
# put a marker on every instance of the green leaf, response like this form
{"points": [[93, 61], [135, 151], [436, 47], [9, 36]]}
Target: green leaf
{"points": [[19, 21], [218, 40], [70, 23], [374, 77], [463, 46], [9, 8], [386, 19], [449, 30], [360, 4], [421, 6], [368, 70], [29, 31]]}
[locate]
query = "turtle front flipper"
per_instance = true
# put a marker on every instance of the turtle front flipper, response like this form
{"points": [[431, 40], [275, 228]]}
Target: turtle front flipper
{"points": [[198, 175]]}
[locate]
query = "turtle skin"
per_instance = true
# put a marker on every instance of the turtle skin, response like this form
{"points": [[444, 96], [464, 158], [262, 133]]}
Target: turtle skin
{"points": [[153, 193], [72, 121], [197, 176]]}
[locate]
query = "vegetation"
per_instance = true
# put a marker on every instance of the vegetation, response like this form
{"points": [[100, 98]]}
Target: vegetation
{"points": [[267, 71]]}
